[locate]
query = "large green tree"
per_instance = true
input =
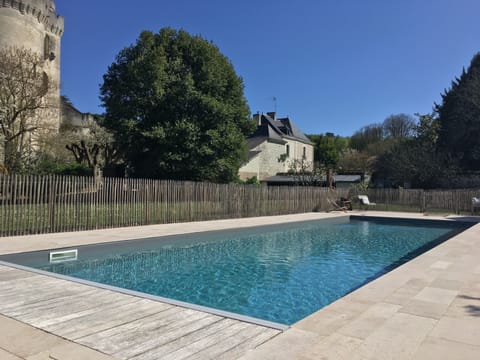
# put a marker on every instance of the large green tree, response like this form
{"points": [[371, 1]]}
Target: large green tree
{"points": [[415, 160], [366, 136], [176, 108], [459, 117], [328, 149], [376, 146]]}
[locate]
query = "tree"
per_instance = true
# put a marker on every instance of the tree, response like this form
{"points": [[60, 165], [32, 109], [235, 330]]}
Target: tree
{"points": [[328, 149], [398, 126], [400, 165], [415, 160], [427, 129], [305, 174], [92, 146], [176, 107], [373, 144], [366, 136], [376, 139], [353, 161], [24, 100], [459, 118]]}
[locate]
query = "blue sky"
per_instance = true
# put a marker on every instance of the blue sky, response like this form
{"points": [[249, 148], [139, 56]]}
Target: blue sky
{"points": [[333, 66]]}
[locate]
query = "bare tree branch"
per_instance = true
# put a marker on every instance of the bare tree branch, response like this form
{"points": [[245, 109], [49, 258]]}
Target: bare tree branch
{"points": [[24, 94], [92, 145]]}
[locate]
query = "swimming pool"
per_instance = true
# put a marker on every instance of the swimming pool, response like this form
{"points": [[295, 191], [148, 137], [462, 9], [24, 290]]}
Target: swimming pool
{"points": [[278, 273]]}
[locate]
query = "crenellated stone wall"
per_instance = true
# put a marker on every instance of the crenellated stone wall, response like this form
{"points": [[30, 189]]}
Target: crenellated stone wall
{"points": [[43, 11]]}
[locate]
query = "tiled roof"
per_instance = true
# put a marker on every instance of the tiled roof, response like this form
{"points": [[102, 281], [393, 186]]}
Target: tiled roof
{"points": [[348, 178], [278, 129], [290, 129], [292, 179]]}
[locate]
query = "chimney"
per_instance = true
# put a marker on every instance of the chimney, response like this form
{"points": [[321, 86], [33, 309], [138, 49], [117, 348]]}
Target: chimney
{"points": [[273, 115], [257, 118]]}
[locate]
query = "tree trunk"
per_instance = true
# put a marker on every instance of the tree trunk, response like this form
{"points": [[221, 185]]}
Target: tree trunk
{"points": [[98, 177], [330, 179], [12, 157]]}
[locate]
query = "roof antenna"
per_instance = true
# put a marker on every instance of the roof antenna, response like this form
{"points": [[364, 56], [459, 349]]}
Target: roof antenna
{"points": [[274, 103]]}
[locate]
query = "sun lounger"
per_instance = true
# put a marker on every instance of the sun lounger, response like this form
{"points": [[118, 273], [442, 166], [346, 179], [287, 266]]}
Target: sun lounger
{"points": [[475, 204], [365, 201]]}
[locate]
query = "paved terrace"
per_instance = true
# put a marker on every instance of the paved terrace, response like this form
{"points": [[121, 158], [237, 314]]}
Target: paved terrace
{"points": [[428, 308]]}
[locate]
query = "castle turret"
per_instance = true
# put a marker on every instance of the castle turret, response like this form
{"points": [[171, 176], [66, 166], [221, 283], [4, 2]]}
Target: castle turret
{"points": [[34, 25]]}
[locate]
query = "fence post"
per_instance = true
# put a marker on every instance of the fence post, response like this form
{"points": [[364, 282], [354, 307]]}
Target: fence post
{"points": [[423, 205], [145, 199], [457, 202], [51, 203]]}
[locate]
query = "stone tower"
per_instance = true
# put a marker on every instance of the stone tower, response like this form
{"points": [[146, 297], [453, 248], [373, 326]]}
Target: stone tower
{"points": [[35, 25]]}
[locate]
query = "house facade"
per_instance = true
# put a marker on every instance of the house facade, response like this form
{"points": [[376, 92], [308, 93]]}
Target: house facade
{"points": [[275, 147]]}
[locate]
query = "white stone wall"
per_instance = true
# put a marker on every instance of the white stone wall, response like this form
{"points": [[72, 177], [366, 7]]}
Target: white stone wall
{"points": [[250, 169], [266, 163], [296, 153], [269, 164]]}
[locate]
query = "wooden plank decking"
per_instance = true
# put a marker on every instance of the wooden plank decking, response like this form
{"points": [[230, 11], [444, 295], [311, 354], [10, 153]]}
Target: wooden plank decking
{"points": [[123, 326]]}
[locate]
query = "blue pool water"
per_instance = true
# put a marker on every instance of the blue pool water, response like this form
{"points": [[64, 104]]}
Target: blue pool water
{"points": [[279, 274]]}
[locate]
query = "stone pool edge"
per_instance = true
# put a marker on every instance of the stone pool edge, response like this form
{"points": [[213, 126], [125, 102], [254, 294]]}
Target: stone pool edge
{"points": [[299, 333]]}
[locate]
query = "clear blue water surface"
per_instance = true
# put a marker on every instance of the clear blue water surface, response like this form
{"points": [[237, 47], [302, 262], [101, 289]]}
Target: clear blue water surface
{"points": [[278, 275]]}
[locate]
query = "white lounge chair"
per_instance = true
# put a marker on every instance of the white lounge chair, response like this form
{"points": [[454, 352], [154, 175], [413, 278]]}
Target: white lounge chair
{"points": [[475, 204], [364, 201]]}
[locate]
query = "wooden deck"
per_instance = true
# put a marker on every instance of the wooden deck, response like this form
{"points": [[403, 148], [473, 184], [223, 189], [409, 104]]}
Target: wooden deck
{"points": [[123, 326]]}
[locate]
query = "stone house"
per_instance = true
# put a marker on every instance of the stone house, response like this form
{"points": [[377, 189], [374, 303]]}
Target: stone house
{"points": [[274, 147]]}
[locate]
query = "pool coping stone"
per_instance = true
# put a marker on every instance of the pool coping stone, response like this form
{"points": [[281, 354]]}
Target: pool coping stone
{"points": [[424, 304]]}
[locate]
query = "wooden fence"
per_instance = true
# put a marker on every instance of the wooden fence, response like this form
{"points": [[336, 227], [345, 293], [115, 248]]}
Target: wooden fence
{"points": [[46, 204], [447, 201]]}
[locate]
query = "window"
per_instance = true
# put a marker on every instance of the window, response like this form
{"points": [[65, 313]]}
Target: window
{"points": [[48, 53], [287, 150], [46, 47], [304, 152]]}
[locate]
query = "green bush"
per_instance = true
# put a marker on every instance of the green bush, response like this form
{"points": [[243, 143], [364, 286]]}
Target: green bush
{"points": [[249, 181], [47, 167]]}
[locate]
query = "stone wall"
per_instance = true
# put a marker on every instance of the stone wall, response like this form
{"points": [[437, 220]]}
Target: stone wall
{"points": [[72, 118], [297, 151], [266, 164], [34, 25], [250, 169], [269, 164]]}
